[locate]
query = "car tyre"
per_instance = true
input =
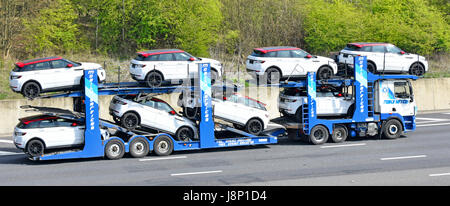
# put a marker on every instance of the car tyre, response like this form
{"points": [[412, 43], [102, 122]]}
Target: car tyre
{"points": [[35, 148], [139, 147], [417, 69], [392, 129], [154, 79], [273, 76], [254, 127], [319, 135], [299, 114], [371, 68], [31, 90], [163, 146], [130, 120], [324, 72], [185, 134], [114, 149]]}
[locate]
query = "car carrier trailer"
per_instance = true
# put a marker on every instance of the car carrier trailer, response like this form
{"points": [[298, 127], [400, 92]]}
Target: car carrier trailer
{"points": [[115, 147], [384, 105]]}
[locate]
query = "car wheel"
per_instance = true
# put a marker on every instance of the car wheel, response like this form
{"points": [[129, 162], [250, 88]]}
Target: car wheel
{"points": [[214, 77], [350, 111], [130, 120], [417, 69], [114, 149], [319, 135], [392, 129], [371, 68], [254, 127], [31, 90], [139, 147], [154, 79], [324, 72], [339, 134], [299, 114], [163, 146], [35, 148], [273, 76], [185, 134]]}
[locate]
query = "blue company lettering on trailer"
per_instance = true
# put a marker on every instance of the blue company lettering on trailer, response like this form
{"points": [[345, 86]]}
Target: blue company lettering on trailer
{"points": [[361, 77], [206, 92], [312, 93], [92, 96], [392, 99]]}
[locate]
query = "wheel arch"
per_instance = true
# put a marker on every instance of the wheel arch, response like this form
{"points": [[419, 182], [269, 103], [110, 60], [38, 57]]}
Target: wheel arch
{"points": [[31, 80]]}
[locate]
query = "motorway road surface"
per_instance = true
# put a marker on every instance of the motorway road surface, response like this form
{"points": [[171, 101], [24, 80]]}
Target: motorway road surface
{"points": [[419, 158]]}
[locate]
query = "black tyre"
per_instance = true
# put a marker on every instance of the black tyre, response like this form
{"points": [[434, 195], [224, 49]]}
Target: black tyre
{"points": [[163, 146], [31, 90], [154, 79], [214, 77], [299, 114], [392, 129], [273, 76], [324, 72], [417, 69], [319, 135], [371, 68], [114, 149], [139, 147], [350, 111], [35, 148], [185, 134], [339, 134], [130, 120], [254, 127]]}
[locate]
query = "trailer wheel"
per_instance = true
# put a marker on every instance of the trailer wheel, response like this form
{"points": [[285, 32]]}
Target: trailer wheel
{"points": [[339, 134], [114, 149], [139, 147], [319, 135], [163, 146], [392, 129]]}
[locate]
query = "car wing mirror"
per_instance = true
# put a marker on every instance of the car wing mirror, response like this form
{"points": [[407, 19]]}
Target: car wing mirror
{"points": [[402, 52], [69, 66], [191, 59], [308, 56], [172, 112]]}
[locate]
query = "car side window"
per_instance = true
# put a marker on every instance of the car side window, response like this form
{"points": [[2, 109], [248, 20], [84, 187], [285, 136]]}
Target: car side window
{"points": [[378, 48], [149, 103], [63, 122], [165, 57], [163, 106], [366, 49], [393, 49], [284, 54], [270, 54], [47, 123], [27, 68], [181, 57], [42, 66], [298, 54], [59, 64]]}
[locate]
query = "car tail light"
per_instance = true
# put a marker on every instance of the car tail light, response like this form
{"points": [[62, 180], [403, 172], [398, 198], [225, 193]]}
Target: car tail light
{"points": [[16, 77], [261, 61], [20, 133]]}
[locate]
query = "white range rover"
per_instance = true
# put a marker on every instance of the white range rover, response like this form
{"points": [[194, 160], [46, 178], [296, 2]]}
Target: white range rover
{"points": [[275, 63], [36, 76], [384, 58], [154, 67], [291, 101]]}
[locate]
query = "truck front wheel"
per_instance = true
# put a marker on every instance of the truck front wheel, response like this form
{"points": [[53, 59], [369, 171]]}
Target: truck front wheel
{"points": [[392, 129], [319, 134]]}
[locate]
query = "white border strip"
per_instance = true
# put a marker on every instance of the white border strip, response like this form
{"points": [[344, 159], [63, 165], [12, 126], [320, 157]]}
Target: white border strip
{"points": [[429, 125], [196, 173], [6, 141], [437, 175], [162, 158], [405, 157]]}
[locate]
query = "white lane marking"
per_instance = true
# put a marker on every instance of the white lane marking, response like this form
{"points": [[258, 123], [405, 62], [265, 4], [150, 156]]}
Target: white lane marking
{"points": [[6, 141], [9, 153], [404, 157], [437, 175], [162, 158], [445, 113], [344, 145], [196, 173], [429, 125], [431, 119]]}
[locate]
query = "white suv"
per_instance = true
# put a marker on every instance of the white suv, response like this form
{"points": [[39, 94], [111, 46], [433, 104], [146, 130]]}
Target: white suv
{"points": [[132, 111], [275, 63], [36, 76], [384, 57], [243, 112], [156, 66], [36, 134], [291, 101]]}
